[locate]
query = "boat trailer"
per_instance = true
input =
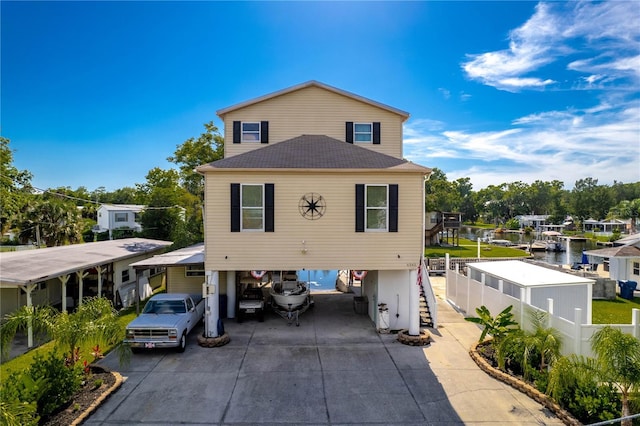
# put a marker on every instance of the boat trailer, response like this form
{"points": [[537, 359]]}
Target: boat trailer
{"points": [[290, 314]]}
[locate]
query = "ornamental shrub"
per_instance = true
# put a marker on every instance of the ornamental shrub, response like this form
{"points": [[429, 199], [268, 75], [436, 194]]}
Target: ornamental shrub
{"points": [[18, 396], [62, 382]]}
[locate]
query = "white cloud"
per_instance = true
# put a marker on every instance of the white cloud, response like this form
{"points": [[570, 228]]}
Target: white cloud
{"points": [[601, 142], [598, 39]]}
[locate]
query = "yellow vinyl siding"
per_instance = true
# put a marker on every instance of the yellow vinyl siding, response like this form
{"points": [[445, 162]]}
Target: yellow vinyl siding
{"points": [[314, 111], [178, 282], [331, 241]]}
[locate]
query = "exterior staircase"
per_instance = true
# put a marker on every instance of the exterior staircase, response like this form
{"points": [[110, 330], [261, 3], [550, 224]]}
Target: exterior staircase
{"points": [[425, 313]]}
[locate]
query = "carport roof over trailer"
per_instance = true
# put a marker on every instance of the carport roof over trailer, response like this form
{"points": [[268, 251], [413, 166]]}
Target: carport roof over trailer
{"points": [[528, 275], [192, 255], [29, 266]]}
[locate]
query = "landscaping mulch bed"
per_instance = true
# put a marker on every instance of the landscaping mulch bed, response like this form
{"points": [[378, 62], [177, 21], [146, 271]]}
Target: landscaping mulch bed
{"points": [[87, 399], [483, 355]]}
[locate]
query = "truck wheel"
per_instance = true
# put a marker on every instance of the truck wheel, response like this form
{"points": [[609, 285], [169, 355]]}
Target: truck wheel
{"points": [[183, 343]]}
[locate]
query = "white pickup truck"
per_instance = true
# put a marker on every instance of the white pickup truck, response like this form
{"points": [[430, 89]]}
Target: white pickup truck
{"points": [[165, 322]]}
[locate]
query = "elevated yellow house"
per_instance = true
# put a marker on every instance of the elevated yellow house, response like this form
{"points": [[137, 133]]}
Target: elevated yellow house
{"points": [[313, 178]]}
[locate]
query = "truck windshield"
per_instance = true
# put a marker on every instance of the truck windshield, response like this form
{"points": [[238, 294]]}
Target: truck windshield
{"points": [[165, 307]]}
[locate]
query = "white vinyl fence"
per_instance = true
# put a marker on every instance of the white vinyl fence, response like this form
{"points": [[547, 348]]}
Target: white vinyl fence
{"points": [[468, 294]]}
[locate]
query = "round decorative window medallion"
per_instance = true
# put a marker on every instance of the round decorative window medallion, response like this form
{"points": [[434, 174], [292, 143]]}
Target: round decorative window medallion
{"points": [[312, 206]]}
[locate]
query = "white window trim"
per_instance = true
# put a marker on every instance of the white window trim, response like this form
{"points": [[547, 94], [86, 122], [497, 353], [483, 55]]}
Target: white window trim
{"points": [[116, 214], [370, 133], [242, 208], [242, 132], [367, 208]]}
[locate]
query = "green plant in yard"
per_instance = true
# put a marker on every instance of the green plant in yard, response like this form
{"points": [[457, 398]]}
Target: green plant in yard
{"points": [[497, 327], [62, 381], [542, 346], [19, 394], [618, 358], [530, 353], [95, 321], [574, 384], [38, 391]]}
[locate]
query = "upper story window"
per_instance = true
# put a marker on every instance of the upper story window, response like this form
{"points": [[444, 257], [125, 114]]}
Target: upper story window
{"points": [[121, 217], [376, 206], [363, 132], [250, 132], [252, 207]]}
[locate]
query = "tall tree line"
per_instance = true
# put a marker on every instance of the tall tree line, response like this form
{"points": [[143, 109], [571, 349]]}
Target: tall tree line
{"points": [[174, 199], [499, 203]]}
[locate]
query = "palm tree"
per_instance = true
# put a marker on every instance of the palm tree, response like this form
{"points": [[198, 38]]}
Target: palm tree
{"points": [[94, 322], [618, 356], [574, 383], [543, 342]]}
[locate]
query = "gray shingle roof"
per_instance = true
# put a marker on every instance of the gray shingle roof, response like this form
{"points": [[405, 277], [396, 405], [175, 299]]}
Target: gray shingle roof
{"points": [[312, 152]]}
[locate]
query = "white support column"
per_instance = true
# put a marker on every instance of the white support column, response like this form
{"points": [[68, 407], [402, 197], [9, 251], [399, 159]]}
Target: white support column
{"points": [[28, 289], [212, 314], [231, 294], [81, 275], [635, 321], [100, 270], [63, 280], [414, 304]]}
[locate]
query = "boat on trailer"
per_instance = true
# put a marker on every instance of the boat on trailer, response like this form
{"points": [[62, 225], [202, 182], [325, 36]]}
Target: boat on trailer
{"points": [[290, 297]]}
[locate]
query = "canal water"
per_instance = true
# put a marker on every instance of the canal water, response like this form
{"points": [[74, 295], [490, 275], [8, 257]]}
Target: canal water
{"points": [[569, 257], [323, 280]]}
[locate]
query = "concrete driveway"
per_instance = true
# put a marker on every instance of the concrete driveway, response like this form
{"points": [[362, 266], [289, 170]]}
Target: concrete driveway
{"points": [[334, 369]]}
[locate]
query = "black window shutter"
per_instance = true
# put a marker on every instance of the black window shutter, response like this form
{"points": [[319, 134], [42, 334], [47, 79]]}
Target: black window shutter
{"points": [[376, 133], [393, 208], [236, 132], [264, 132], [359, 207], [235, 207], [348, 137], [268, 207]]}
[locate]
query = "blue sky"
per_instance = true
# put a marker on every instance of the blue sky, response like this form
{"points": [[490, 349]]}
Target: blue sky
{"points": [[98, 93]]}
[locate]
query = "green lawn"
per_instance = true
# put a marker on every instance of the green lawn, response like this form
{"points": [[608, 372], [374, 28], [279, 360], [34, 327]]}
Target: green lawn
{"points": [[614, 311], [23, 362], [468, 248]]}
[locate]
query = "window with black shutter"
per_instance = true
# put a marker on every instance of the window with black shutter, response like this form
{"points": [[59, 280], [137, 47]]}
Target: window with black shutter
{"points": [[376, 208], [252, 207]]}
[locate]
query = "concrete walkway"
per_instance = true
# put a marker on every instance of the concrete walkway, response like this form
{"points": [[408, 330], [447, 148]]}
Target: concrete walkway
{"points": [[332, 370]]}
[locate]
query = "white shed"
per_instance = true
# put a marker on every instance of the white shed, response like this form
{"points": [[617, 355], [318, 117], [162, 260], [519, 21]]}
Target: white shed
{"points": [[568, 291]]}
